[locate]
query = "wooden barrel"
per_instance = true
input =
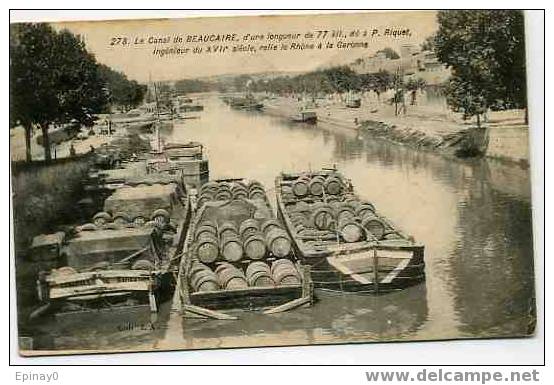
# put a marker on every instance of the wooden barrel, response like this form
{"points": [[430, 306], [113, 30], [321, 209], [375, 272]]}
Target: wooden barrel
{"points": [[278, 242], [202, 278], [255, 184], [270, 224], [223, 195], [374, 225], [231, 248], [333, 185], [202, 229], [211, 186], [343, 211], [259, 274], [256, 192], [284, 272], [227, 228], [207, 248], [230, 277], [361, 208], [322, 217], [350, 230], [248, 226], [239, 191], [316, 185], [254, 246], [300, 186]]}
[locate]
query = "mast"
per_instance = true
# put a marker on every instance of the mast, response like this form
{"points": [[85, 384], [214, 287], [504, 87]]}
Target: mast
{"points": [[158, 139]]}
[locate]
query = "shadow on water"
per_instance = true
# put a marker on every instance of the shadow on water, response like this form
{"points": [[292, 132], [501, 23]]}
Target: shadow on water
{"points": [[474, 218]]}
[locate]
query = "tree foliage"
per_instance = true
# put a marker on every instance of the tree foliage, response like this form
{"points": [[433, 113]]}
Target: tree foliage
{"points": [[53, 79], [125, 93], [486, 51]]}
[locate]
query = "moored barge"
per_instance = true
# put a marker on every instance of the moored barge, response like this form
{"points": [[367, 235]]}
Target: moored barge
{"points": [[348, 244], [238, 256]]}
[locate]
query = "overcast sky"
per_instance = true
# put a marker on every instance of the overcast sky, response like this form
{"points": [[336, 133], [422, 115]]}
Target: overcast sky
{"points": [[138, 62]]}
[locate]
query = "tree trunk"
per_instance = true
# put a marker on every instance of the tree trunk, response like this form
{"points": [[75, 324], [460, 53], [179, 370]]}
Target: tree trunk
{"points": [[526, 116], [478, 120], [46, 142], [28, 131]]}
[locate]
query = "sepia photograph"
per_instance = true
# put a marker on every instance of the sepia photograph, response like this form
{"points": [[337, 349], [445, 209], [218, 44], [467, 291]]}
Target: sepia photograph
{"points": [[213, 182]]}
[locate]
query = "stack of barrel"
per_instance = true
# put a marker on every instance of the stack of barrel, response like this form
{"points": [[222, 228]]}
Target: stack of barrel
{"points": [[226, 276], [252, 239], [225, 191], [221, 250], [314, 186], [350, 218]]}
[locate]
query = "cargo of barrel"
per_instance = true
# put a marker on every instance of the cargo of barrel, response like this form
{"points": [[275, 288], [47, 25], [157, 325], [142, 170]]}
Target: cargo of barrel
{"points": [[238, 256], [350, 246]]}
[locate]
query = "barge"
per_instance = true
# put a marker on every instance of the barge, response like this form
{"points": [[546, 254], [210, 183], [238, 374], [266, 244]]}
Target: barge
{"points": [[348, 244], [127, 257], [305, 117], [238, 256]]}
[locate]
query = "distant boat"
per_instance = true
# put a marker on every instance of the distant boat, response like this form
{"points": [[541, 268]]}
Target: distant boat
{"points": [[245, 103], [305, 117]]}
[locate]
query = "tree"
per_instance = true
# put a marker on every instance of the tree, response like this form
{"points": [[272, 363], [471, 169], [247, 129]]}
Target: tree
{"points": [[428, 44], [53, 79], [125, 93], [486, 51]]}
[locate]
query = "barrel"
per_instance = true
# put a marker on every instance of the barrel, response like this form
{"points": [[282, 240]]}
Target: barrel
{"points": [[223, 195], [239, 191], [207, 250], [256, 192], [270, 224], [259, 274], [227, 228], [361, 208], [343, 211], [203, 199], [202, 278], [254, 184], [278, 242], [230, 277], [211, 186], [231, 248], [300, 186], [374, 225], [202, 229], [284, 272], [333, 185], [350, 230], [316, 185], [248, 226], [254, 246], [322, 217]]}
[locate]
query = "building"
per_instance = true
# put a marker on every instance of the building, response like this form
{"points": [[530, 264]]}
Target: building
{"points": [[412, 63]]}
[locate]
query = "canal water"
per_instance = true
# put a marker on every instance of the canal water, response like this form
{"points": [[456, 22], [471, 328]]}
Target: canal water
{"points": [[474, 218]]}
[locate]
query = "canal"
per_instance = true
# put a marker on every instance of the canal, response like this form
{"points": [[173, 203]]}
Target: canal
{"points": [[474, 218]]}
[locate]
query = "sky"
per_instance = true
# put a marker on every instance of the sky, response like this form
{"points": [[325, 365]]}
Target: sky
{"points": [[138, 62]]}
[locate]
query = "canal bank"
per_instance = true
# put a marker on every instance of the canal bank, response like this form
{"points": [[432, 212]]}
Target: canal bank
{"points": [[426, 126]]}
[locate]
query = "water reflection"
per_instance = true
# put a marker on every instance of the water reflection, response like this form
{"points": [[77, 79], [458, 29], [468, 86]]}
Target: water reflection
{"points": [[473, 216]]}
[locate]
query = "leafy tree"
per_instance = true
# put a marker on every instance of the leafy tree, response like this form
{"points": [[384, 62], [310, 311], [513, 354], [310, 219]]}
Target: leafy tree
{"points": [[486, 51], [428, 44], [125, 93], [53, 79]]}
